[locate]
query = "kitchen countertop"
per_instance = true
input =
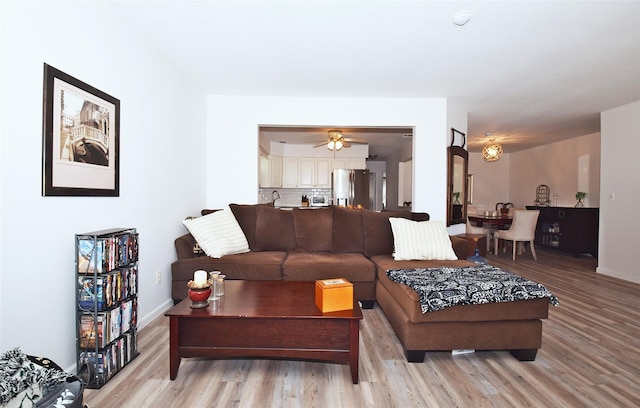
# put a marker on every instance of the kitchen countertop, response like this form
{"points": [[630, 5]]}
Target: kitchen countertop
{"points": [[292, 206]]}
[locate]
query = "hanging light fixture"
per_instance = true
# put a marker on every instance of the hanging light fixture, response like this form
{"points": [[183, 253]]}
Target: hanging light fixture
{"points": [[335, 140], [492, 151]]}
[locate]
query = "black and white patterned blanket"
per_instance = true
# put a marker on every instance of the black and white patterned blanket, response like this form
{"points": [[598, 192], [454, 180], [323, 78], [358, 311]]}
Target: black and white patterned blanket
{"points": [[439, 288]]}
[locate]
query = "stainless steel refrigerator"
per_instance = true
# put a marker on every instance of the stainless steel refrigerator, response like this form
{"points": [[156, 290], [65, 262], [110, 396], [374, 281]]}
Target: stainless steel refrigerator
{"points": [[350, 187]]}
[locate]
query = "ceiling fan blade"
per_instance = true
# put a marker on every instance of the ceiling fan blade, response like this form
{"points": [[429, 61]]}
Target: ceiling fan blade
{"points": [[346, 144], [321, 144], [355, 141]]}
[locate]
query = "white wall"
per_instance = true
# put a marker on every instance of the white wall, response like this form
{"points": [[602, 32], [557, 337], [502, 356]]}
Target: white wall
{"points": [[490, 180], [162, 129], [566, 167], [620, 175], [236, 118]]}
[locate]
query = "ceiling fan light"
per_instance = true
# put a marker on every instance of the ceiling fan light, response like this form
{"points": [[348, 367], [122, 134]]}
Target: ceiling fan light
{"points": [[331, 145], [338, 145]]}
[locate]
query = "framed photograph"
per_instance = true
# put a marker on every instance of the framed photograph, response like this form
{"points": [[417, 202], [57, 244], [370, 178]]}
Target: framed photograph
{"points": [[81, 138]]}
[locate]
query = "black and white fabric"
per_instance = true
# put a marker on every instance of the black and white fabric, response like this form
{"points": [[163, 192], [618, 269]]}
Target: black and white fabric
{"points": [[27, 381], [440, 288]]}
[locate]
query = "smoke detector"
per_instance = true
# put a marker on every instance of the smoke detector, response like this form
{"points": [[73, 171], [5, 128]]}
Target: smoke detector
{"points": [[462, 17]]}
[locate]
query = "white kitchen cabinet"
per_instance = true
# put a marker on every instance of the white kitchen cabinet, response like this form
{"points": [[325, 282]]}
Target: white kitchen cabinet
{"points": [[275, 171], [289, 172], [323, 172], [314, 172], [270, 171], [358, 163], [306, 169], [341, 163], [263, 167]]}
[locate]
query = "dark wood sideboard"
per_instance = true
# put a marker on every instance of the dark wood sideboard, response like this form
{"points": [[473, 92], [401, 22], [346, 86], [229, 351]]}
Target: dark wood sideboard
{"points": [[570, 229]]}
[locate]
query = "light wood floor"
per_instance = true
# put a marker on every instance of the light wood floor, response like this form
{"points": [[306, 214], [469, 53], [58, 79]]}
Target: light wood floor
{"points": [[590, 357]]}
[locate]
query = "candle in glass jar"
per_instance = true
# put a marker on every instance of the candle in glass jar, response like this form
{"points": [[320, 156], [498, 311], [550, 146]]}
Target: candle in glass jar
{"points": [[200, 278]]}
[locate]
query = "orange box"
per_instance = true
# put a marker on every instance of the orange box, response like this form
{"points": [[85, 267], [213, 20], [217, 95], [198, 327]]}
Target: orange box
{"points": [[334, 294]]}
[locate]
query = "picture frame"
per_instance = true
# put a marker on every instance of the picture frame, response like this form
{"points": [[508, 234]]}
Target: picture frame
{"points": [[81, 138], [470, 189]]}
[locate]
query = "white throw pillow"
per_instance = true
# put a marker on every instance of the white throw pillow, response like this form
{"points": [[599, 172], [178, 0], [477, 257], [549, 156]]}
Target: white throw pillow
{"points": [[218, 233], [420, 240]]}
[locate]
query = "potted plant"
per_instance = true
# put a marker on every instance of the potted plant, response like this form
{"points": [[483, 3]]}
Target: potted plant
{"points": [[580, 195], [456, 197]]}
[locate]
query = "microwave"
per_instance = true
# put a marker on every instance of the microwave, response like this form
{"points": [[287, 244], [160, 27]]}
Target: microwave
{"points": [[319, 201]]}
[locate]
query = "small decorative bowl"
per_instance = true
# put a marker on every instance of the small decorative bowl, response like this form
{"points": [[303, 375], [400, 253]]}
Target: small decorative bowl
{"points": [[199, 297], [199, 294]]}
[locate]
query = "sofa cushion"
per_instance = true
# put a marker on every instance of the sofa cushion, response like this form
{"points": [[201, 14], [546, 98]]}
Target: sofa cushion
{"points": [[274, 229], [309, 266], [265, 265], [347, 234], [378, 237], [420, 240], [246, 216], [218, 233], [313, 229], [409, 301], [187, 247]]}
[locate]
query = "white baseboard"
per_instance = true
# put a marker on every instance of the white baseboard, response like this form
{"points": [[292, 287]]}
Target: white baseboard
{"points": [[620, 275], [152, 315]]}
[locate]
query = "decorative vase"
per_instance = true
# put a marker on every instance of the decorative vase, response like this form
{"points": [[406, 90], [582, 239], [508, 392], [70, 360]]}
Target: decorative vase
{"points": [[199, 297]]}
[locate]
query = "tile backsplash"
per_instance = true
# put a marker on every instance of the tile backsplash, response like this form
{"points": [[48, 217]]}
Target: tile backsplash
{"points": [[292, 196]]}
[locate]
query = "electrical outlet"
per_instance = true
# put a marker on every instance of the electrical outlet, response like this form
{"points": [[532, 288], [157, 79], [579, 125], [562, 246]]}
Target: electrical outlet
{"points": [[158, 277]]}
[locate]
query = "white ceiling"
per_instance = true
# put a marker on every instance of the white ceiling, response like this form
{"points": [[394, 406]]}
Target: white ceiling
{"points": [[382, 142], [530, 72]]}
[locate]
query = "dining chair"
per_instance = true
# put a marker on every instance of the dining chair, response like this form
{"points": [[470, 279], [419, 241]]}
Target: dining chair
{"points": [[505, 208], [523, 229], [474, 229]]}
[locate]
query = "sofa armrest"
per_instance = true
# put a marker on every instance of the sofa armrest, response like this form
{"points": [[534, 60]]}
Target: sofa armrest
{"points": [[184, 246], [460, 246]]}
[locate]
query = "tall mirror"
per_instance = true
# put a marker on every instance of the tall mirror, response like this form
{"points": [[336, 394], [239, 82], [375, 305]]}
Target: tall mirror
{"points": [[457, 168]]}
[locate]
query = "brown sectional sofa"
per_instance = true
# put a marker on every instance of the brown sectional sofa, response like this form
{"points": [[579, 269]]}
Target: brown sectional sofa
{"points": [[311, 244], [299, 244]]}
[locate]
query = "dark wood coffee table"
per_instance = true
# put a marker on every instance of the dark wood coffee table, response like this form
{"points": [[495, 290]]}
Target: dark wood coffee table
{"points": [[268, 319]]}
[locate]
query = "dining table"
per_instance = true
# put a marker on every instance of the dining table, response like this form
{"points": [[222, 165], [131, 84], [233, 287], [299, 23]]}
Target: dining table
{"points": [[493, 222]]}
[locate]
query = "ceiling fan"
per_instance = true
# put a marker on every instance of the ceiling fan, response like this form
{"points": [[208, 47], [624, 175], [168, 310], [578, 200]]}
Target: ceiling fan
{"points": [[336, 141]]}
